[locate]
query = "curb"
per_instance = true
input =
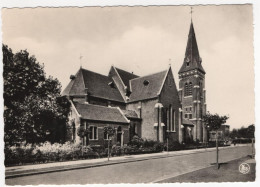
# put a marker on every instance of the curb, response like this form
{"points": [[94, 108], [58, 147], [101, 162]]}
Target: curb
{"points": [[106, 163]]}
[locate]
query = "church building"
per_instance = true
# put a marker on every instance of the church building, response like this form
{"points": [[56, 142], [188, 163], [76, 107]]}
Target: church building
{"points": [[148, 106]]}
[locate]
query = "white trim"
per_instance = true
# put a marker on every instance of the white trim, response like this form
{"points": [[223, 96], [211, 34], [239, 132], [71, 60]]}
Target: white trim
{"points": [[155, 124], [73, 106], [119, 77], [158, 105], [180, 110], [162, 124], [159, 92], [123, 114], [196, 76], [122, 94], [196, 86], [188, 96]]}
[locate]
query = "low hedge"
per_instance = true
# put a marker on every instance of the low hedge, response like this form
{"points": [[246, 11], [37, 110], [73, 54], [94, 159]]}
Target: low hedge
{"points": [[47, 152]]}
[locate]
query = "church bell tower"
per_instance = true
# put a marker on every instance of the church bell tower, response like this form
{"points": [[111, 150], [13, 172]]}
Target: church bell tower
{"points": [[192, 91]]}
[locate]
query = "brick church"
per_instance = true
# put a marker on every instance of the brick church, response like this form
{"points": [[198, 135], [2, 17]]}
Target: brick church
{"points": [[148, 106]]}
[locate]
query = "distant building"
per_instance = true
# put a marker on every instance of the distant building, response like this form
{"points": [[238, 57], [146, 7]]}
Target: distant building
{"points": [[148, 106], [222, 133]]}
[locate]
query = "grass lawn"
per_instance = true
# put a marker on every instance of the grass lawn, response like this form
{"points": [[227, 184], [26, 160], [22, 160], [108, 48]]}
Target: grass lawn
{"points": [[227, 172]]}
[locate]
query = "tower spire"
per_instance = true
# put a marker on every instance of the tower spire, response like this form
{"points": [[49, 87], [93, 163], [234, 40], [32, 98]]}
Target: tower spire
{"points": [[192, 58]]}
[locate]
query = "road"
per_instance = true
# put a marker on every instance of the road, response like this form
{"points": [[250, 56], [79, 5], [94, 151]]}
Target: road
{"points": [[146, 171]]}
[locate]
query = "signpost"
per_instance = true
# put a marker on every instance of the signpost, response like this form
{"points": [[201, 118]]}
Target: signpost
{"points": [[110, 133], [216, 133]]}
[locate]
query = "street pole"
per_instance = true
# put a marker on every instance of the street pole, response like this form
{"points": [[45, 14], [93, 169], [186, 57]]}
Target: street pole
{"points": [[108, 149], [217, 150]]}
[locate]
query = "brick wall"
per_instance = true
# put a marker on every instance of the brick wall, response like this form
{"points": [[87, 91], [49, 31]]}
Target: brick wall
{"points": [[169, 96], [100, 140], [148, 131]]}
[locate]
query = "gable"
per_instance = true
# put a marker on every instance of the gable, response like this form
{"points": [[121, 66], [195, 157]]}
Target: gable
{"points": [[97, 85], [146, 87], [169, 90]]}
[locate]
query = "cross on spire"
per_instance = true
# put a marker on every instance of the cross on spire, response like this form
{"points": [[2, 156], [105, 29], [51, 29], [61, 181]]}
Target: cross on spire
{"points": [[80, 57], [191, 11]]}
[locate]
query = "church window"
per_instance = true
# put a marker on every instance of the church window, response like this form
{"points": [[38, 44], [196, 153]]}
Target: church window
{"points": [[188, 89], [188, 64], [93, 133], [146, 82], [171, 119]]}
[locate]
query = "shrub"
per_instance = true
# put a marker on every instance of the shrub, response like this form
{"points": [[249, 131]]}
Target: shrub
{"points": [[117, 150], [174, 146], [136, 141], [149, 143], [158, 147]]}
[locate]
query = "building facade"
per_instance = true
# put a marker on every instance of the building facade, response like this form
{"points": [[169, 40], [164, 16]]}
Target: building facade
{"points": [[150, 106]]}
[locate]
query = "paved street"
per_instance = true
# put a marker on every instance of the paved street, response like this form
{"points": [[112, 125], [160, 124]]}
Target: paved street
{"points": [[146, 171]]}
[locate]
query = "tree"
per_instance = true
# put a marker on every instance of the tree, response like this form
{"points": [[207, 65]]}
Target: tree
{"points": [[243, 132], [34, 109], [214, 121], [251, 131]]}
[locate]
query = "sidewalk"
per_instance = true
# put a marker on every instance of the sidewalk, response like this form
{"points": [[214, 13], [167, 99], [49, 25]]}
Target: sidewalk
{"points": [[26, 170]]}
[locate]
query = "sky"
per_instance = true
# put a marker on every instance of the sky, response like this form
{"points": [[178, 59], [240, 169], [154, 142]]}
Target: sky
{"points": [[145, 40]]}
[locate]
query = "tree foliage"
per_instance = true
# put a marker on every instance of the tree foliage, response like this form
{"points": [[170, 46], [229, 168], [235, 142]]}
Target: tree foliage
{"points": [[34, 110], [214, 121], [243, 132]]}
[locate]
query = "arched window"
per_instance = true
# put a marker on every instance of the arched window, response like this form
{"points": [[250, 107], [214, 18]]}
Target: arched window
{"points": [[186, 89], [170, 118], [190, 88]]}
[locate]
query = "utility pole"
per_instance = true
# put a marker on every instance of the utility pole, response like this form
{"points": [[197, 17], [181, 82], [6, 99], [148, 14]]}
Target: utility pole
{"points": [[217, 150], [108, 152]]}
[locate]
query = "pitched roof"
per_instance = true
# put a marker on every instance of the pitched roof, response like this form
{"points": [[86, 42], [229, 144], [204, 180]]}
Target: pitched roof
{"points": [[147, 87], [192, 54], [125, 76], [100, 113], [96, 84], [130, 114]]}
